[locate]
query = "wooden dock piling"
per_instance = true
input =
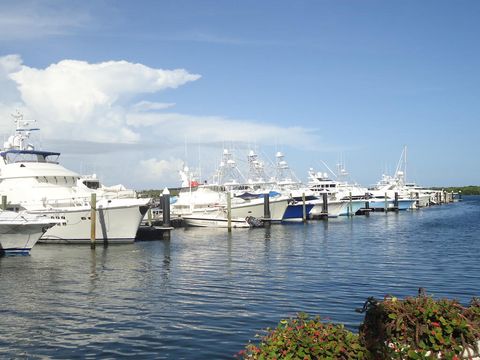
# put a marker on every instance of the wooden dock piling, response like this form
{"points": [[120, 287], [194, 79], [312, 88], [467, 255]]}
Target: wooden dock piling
{"points": [[350, 204], [366, 210], [93, 220], [304, 209], [266, 209], [229, 211], [395, 202], [166, 207], [325, 205], [4, 202]]}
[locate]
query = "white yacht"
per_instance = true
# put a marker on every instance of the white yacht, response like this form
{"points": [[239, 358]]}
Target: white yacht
{"points": [[33, 180], [383, 193], [206, 204], [212, 200], [409, 194], [343, 198], [20, 231]]}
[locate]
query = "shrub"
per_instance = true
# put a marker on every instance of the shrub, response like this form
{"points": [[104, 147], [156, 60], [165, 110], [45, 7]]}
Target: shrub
{"points": [[421, 327], [303, 338]]}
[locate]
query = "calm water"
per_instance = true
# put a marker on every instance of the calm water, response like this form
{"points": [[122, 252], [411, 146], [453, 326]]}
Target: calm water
{"points": [[204, 293]]}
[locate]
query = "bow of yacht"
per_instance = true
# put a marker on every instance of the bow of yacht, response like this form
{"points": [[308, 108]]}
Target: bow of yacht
{"points": [[20, 231]]}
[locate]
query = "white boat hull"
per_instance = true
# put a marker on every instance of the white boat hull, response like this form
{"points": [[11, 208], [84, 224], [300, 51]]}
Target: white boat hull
{"points": [[213, 217], [117, 221], [19, 232], [256, 209], [403, 204], [195, 220], [335, 208]]}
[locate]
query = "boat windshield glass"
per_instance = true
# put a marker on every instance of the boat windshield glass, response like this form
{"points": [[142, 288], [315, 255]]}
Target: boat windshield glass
{"points": [[17, 157], [92, 184]]}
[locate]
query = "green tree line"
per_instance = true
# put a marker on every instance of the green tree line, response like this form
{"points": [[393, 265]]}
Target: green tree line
{"points": [[465, 190]]}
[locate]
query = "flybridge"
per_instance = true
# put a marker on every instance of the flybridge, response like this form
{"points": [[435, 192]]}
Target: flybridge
{"points": [[16, 156]]}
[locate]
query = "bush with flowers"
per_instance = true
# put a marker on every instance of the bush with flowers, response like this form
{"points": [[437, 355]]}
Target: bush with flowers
{"points": [[421, 328], [305, 338], [414, 328]]}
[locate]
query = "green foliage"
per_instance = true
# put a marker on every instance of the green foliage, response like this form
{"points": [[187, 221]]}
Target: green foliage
{"points": [[306, 338], [149, 193], [420, 327], [465, 190], [414, 328], [155, 194]]}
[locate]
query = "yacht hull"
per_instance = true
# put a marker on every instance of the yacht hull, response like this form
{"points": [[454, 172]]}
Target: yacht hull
{"points": [[295, 211], [403, 204], [117, 222], [335, 208], [277, 209], [217, 219], [18, 234]]}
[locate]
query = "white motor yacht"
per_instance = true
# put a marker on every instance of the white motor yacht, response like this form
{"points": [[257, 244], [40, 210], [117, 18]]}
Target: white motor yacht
{"points": [[34, 180], [209, 202], [343, 198]]}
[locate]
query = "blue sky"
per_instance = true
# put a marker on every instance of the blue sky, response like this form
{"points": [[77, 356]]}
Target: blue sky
{"points": [[131, 90]]}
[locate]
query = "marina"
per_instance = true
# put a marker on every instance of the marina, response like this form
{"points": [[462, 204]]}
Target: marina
{"points": [[180, 178], [207, 291]]}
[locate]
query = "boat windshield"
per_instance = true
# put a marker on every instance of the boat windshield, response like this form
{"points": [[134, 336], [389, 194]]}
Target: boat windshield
{"points": [[19, 156], [92, 184]]}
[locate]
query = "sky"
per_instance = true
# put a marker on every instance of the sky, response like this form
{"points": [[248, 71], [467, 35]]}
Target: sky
{"points": [[134, 90]]}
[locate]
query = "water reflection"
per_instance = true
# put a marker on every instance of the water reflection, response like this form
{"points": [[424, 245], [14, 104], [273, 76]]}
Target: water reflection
{"points": [[205, 292]]}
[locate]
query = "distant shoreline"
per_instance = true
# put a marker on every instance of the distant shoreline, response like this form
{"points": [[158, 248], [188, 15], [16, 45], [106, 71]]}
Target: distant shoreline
{"points": [[464, 190]]}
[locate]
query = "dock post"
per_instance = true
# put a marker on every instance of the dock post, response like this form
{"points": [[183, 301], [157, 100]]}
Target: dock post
{"points": [[149, 217], [325, 205], [165, 203], [367, 204], [304, 209], [4, 202], [93, 220], [266, 208], [166, 207], [350, 204], [395, 201], [229, 211], [386, 203]]}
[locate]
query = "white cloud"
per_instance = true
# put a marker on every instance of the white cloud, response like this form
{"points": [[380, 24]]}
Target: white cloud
{"points": [[89, 105], [151, 106], [161, 171], [87, 101], [10, 63], [32, 19], [214, 129]]}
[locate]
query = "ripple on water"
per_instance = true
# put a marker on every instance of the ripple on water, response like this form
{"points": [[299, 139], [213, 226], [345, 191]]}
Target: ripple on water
{"points": [[205, 293]]}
